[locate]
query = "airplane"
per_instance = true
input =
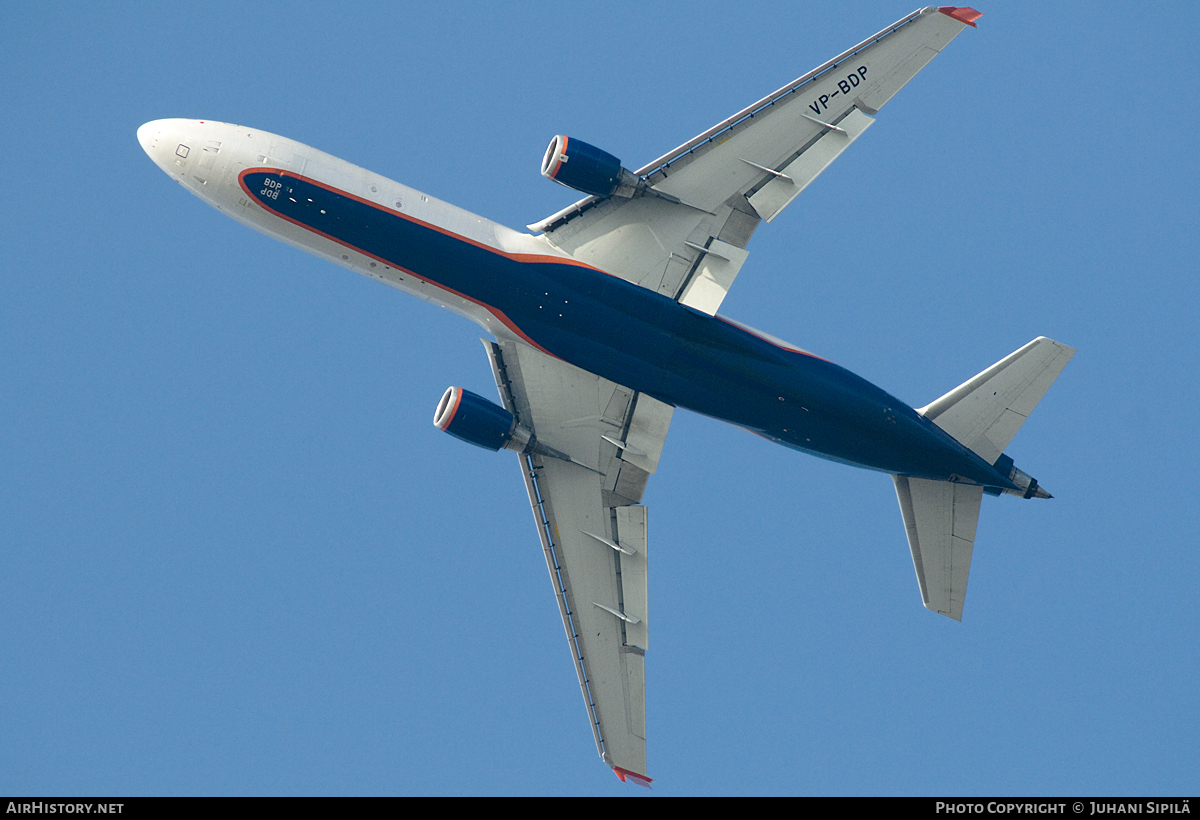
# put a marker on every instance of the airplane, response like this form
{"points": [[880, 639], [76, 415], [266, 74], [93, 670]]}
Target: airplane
{"points": [[604, 320]]}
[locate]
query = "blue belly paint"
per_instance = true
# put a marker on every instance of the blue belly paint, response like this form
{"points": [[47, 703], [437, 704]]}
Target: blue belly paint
{"points": [[642, 339]]}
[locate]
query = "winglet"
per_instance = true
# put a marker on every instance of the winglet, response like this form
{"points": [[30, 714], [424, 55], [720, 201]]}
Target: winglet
{"points": [[640, 779], [963, 14]]}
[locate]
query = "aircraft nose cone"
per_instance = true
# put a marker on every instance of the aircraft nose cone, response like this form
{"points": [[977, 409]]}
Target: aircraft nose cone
{"points": [[164, 141], [152, 138], [145, 134]]}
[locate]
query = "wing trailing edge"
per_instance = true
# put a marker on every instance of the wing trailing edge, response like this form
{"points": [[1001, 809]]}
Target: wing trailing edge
{"points": [[603, 441], [684, 229]]}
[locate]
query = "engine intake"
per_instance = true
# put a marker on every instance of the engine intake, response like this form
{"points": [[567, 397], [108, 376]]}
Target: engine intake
{"points": [[575, 164], [475, 420]]}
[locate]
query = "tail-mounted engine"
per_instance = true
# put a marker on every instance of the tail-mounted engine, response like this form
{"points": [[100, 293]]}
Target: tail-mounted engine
{"points": [[586, 168], [474, 419]]}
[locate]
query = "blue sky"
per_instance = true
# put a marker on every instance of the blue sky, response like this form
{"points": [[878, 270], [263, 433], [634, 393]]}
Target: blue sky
{"points": [[238, 558]]}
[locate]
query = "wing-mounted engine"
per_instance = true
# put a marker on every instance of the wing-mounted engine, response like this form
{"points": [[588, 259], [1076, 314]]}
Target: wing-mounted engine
{"points": [[575, 164], [475, 420]]}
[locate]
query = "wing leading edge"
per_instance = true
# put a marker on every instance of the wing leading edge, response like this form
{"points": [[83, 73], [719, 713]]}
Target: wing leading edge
{"points": [[592, 529]]}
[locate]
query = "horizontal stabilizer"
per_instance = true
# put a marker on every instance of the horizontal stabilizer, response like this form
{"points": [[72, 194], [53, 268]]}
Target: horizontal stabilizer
{"points": [[940, 518], [987, 411]]}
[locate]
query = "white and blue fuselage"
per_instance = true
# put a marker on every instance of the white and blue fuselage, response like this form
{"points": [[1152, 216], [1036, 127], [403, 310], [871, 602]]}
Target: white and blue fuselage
{"points": [[520, 287]]}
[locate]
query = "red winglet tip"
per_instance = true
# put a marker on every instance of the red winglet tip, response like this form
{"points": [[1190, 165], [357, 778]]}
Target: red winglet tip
{"points": [[963, 14], [640, 779]]}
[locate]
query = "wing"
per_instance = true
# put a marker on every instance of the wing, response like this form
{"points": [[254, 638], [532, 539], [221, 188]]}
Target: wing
{"points": [[593, 530], [685, 232]]}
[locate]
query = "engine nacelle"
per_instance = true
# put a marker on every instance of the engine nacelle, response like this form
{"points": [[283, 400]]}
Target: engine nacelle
{"points": [[586, 168], [474, 419]]}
